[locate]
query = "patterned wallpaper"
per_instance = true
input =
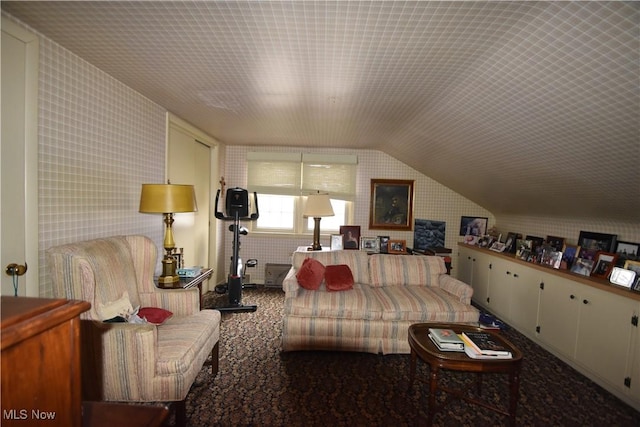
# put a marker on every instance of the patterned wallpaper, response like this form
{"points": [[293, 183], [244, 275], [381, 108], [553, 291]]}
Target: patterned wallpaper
{"points": [[98, 142], [431, 201]]}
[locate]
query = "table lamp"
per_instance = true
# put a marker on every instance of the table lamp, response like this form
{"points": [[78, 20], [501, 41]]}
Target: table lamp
{"points": [[318, 205], [168, 199]]}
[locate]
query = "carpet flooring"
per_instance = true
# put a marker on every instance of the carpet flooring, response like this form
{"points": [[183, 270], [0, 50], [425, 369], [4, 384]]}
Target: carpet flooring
{"points": [[258, 385]]}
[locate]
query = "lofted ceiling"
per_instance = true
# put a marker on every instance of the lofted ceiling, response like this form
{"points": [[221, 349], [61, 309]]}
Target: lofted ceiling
{"points": [[528, 108]]}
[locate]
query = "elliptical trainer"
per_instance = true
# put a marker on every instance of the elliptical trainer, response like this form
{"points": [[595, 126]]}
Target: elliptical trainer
{"points": [[237, 209]]}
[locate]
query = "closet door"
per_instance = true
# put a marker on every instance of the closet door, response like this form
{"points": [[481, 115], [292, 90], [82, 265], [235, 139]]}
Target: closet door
{"points": [[189, 162]]}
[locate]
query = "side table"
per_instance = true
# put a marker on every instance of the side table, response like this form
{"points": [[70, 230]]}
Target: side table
{"points": [[189, 282]]}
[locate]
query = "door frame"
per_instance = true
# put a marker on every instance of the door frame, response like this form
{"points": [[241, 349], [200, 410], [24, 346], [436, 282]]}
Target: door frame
{"points": [[30, 145]]}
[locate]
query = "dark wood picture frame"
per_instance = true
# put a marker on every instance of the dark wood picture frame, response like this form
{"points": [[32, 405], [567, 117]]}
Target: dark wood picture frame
{"points": [[391, 204], [351, 239], [598, 242], [397, 246], [604, 263], [384, 244], [627, 251]]}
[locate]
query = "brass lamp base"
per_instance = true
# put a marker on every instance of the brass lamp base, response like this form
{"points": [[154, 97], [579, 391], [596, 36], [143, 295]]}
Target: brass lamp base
{"points": [[316, 236], [169, 276]]}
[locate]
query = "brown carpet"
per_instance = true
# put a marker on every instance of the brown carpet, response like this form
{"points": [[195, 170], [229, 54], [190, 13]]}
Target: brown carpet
{"points": [[258, 385]]}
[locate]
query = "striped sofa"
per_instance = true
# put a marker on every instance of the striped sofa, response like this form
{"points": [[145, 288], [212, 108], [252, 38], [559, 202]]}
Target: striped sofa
{"points": [[126, 361], [390, 293]]}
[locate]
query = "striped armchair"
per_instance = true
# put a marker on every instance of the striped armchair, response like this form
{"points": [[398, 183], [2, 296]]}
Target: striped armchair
{"points": [[126, 361]]}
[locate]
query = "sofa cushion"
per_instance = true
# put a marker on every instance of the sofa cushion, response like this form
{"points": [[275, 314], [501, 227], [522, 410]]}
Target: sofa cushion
{"points": [[408, 270], [310, 274], [355, 303], [338, 277], [422, 304], [357, 261], [154, 315]]}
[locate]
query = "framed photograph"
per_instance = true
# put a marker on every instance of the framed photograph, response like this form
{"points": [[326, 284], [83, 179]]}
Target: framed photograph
{"points": [[523, 245], [569, 254], [604, 263], [627, 251], [370, 244], [497, 246], [473, 226], [556, 242], [428, 234], [510, 245], [351, 239], [397, 246], [636, 284], [337, 242], [622, 277], [582, 266], [633, 265], [597, 242], [384, 244], [391, 206]]}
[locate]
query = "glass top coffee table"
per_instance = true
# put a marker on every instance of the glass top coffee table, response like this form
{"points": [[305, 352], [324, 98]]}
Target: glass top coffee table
{"points": [[422, 347]]}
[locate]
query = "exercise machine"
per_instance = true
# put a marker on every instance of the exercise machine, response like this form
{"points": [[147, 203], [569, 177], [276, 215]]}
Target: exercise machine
{"points": [[237, 208]]}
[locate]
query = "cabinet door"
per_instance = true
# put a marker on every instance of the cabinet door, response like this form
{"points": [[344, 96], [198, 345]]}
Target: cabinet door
{"points": [[633, 386], [465, 265], [481, 269], [558, 314], [524, 302], [605, 334], [499, 288]]}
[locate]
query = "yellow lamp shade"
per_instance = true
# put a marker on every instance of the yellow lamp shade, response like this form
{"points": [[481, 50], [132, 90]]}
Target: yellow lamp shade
{"points": [[167, 198]]}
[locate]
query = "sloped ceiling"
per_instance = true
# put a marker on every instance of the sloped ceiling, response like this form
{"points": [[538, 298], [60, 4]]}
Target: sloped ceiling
{"points": [[523, 107]]}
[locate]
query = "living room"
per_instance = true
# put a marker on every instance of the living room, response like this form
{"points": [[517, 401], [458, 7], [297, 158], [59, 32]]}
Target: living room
{"points": [[99, 140]]}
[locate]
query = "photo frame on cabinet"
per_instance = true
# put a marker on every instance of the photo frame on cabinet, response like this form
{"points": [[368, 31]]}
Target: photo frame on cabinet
{"points": [[597, 242], [604, 263], [627, 251], [397, 246], [569, 254], [633, 265], [337, 242], [510, 244], [556, 242], [582, 266], [391, 204], [351, 239]]}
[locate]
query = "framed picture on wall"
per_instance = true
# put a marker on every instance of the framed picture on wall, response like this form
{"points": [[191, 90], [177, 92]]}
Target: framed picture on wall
{"points": [[351, 239], [391, 205], [428, 234]]}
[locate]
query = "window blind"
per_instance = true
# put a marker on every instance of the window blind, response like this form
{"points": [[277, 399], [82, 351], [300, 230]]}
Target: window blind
{"points": [[298, 174]]}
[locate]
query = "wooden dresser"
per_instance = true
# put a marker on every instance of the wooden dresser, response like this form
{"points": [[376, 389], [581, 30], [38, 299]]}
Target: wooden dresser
{"points": [[41, 382]]}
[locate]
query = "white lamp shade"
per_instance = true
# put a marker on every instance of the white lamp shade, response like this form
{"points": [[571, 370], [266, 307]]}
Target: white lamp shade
{"points": [[318, 205]]}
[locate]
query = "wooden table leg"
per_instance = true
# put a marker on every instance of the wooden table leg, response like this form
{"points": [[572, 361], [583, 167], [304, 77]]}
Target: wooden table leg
{"points": [[412, 368], [433, 387], [514, 390]]}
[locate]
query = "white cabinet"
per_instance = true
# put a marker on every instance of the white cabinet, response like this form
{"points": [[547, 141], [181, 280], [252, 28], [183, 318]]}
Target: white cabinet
{"points": [[465, 265], [592, 327]]}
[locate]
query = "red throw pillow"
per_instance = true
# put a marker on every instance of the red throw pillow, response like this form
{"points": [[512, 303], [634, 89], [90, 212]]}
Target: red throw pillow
{"points": [[157, 316], [338, 277], [310, 274]]}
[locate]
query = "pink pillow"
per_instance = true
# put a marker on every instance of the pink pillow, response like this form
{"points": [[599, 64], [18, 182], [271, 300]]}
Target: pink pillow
{"points": [[338, 277], [157, 316], [310, 274]]}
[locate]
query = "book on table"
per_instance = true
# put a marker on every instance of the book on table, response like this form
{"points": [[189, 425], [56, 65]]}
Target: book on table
{"points": [[446, 346], [446, 339], [475, 355], [483, 343]]}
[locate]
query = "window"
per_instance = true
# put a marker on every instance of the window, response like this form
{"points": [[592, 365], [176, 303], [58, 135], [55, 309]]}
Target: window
{"points": [[282, 180]]}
